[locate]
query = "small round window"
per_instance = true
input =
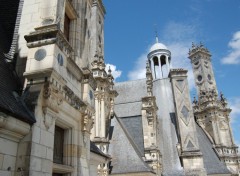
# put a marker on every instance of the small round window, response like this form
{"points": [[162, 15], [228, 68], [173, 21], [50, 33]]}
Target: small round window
{"points": [[199, 78]]}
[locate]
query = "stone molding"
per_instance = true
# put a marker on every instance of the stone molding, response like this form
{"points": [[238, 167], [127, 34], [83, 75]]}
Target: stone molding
{"points": [[13, 128], [46, 35]]}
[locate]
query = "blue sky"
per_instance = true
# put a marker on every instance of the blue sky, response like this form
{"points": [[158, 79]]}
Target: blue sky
{"points": [[129, 33]]}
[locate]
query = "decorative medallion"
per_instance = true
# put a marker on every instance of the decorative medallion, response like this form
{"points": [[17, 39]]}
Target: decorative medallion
{"points": [[60, 59], [190, 144], [180, 85], [40, 54], [185, 115]]}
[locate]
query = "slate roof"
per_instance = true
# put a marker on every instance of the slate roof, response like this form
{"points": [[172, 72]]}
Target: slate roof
{"points": [[10, 101], [8, 16], [127, 146], [211, 162], [126, 157], [130, 91]]}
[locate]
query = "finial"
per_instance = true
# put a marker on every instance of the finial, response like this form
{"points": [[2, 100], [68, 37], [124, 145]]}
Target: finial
{"points": [[109, 70], [193, 45], [156, 33]]}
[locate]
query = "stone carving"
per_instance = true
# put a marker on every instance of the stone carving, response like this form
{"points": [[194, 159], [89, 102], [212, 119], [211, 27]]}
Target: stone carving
{"points": [[52, 98], [49, 117], [87, 118]]}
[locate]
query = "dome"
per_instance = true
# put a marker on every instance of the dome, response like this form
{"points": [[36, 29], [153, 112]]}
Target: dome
{"points": [[158, 46]]}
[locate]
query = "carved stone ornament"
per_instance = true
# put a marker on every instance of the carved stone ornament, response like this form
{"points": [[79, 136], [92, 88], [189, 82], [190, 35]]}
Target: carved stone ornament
{"points": [[52, 97], [87, 120], [49, 117], [180, 84], [185, 115]]}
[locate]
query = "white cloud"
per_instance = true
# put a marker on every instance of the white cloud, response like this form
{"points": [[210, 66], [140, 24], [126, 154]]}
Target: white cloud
{"points": [[116, 73], [234, 56], [234, 104], [178, 42], [139, 70]]}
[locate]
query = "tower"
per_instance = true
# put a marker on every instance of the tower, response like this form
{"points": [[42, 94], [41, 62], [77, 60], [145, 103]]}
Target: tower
{"points": [[160, 60], [211, 111]]}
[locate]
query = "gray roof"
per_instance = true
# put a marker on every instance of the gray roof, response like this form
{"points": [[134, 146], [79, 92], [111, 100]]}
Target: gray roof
{"points": [[130, 91], [211, 162], [126, 157], [128, 109], [133, 125]]}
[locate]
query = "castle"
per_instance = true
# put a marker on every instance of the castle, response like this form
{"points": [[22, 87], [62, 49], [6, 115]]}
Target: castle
{"points": [[61, 114]]}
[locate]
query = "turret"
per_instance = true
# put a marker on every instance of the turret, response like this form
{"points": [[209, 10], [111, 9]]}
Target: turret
{"points": [[159, 58], [210, 111]]}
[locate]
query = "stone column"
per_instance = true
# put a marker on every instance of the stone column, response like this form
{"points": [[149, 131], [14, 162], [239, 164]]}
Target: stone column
{"points": [[103, 124], [160, 68], [96, 117], [168, 67], [153, 68]]}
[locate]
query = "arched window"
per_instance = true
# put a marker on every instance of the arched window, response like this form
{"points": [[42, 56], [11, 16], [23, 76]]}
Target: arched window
{"points": [[155, 61], [163, 60], [169, 59]]}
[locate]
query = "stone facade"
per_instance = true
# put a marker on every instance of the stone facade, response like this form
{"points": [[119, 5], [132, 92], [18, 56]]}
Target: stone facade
{"points": [[68, 118]]}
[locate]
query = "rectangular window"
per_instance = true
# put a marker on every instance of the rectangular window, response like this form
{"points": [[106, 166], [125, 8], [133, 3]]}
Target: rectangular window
{"points": [[58, 145], [66, 26]]}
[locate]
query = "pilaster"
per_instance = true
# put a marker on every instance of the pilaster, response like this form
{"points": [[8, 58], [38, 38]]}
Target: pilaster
{"points": [[149, 120]]}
